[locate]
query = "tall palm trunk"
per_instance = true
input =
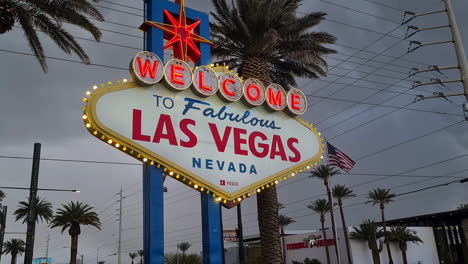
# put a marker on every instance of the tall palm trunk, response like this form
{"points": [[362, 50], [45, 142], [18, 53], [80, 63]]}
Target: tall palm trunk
{"points": [[13, 259], [376, 256], [73, 249], [387, 242], [332, 217], [345, 230], [322, 220], [267, 201], [283, 243], [403, 249], [403, 255]]}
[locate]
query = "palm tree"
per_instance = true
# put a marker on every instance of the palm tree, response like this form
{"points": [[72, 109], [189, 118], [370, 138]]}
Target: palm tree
{"points": [[141, 253], [341, 192], [402, 235], [101, 262], [133, 256], [2, 195], [283, 222], [184, 246], [325, 172], [382, 197], [459, 207], [71, 217], [43, 211], [48, 16], [370, 232], [322, 206], [14, 247], [276, 46]]}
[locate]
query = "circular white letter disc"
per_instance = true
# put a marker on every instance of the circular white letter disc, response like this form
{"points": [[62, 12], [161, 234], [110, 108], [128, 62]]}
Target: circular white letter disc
{"points": [[297, 102], [254, 92], [205, 81], [177, 74], [147, 68], [276, 97], [230, 87]]}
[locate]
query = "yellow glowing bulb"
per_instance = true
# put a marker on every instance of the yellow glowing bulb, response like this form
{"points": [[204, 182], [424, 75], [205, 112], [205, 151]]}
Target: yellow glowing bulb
{"points": [[88, 93], [320, 134], [88, 125], [195, 186], [202, 189], [85, 99], [85, 117], [145, 159], [308, 167], [124, 148], [95, 133], [219, 198], [152, 163], [276, 181], [109, 141], [239, 199], [258, 190], [125, 80], [293, 174], [177, 176], [321, 157], [109, 83], [248, 194], [224, 201], [95, 87], [117, 145], [171, 173]]}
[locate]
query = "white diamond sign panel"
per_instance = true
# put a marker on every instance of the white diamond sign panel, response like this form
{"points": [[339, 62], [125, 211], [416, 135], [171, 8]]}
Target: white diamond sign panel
{"points": [[229, 148]]}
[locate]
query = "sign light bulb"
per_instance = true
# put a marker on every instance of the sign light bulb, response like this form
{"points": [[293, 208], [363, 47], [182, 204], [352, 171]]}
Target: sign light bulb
{"points": [[171, 173], [219, 199], [109, 141], [95, 87], [85, 117], [88, 93], [117, 145], [195, 186], [88, 125], [145, 159]]}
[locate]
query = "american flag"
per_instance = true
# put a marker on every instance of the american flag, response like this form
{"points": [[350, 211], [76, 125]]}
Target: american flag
{"points": [[339, 159]]}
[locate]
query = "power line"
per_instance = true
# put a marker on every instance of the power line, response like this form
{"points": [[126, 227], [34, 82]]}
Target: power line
{"points": [[127, 6], [361, 12]]}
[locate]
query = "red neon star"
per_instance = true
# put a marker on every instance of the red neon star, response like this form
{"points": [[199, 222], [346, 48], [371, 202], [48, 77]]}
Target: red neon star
{"points": [[179, 35]]}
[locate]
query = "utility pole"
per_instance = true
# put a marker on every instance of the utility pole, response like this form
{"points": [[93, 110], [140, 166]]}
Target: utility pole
{"points": [[31, 229], [240, 235], [458, 46], [2, 230], [47, 248], [119, 257], [459, 50]]}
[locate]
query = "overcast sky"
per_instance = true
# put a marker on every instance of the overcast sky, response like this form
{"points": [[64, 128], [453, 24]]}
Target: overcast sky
{"points": [[46, 108]]}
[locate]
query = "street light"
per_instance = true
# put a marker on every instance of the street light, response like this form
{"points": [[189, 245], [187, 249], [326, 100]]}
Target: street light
{"points": [[97, 251], [81, 255], [40, 189]]}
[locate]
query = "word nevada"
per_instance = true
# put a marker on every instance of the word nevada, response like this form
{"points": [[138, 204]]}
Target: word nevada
{"points": [[148, 69]]}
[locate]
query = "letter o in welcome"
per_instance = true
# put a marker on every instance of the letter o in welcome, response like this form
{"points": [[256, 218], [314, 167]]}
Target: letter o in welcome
{"points": [[297, 102], [146, 68], [254, 92], [230, 87], [177, 74]]}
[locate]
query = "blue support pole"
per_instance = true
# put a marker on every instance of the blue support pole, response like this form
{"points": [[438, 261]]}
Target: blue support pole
{"points": [[153, 189], [211, 210], [153, 214], [211, 228], [153, 179]]}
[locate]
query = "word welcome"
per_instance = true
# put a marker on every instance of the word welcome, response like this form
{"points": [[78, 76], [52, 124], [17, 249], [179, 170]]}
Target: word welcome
{"points": [[148, 69]]}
